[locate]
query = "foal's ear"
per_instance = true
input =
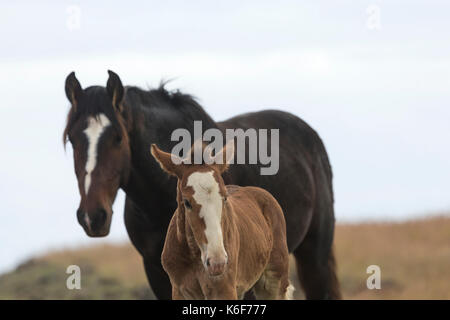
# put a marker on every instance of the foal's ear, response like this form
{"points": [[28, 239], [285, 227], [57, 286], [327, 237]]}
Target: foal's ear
{"points": [[115, 89], [168, 162], [73, 88], [224, 157]]}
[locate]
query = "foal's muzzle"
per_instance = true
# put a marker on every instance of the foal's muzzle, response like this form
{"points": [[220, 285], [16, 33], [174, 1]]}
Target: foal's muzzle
{"points": [[216, 265]]}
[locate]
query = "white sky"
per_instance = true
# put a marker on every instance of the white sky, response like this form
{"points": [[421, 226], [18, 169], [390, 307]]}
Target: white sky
{"points": [[378, 98]]}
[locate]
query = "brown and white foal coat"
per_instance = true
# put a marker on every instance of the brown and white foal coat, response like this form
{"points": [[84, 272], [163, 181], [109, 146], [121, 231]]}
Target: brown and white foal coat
{"points": [[222, 240]]}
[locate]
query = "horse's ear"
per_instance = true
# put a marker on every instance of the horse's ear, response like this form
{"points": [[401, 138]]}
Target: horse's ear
{"points": [[168, 162], [115, 90], [224, 157], [73, 88]]}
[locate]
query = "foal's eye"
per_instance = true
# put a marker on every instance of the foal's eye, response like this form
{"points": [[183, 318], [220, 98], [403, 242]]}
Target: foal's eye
{"points": [[187, 204]]}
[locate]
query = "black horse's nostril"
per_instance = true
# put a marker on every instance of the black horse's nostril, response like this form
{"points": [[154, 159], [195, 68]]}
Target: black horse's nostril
{"points": [[103, 215], [98, 219]]}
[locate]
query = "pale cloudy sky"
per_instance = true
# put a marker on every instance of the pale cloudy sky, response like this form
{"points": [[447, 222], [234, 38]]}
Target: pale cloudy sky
{"points": [[379, 98]]}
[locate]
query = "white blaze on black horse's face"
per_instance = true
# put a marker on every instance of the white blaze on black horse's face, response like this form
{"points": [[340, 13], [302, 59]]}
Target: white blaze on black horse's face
{"points": [[96, 126], [97, 131]]}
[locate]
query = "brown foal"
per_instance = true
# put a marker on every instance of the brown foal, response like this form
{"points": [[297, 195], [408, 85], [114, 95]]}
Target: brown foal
{"points": [[223, 240]]}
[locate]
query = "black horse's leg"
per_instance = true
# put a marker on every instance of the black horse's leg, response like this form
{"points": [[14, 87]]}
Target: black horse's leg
{"points": [[249, 295], [314, 255], [158, 278], [314, 272], [315, 260], [148, 239]]}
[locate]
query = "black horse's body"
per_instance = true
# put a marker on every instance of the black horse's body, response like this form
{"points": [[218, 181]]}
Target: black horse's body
{"points": [[302, 186]]}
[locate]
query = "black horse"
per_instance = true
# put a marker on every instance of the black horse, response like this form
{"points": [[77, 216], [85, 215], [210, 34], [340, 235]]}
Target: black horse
{"points": [[111, 130]]}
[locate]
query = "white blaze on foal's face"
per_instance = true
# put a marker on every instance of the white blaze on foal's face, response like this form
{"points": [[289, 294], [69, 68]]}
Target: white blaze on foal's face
{"points": [[94, 130], [206, 194]]}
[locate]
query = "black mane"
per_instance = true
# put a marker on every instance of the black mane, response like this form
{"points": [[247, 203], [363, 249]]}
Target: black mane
{"points": [[163, 98], [163, 103], [95, 100]]}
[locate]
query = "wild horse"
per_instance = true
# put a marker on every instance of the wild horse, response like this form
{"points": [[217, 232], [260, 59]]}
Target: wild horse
{"points": [[111, 129], [222, 240]]}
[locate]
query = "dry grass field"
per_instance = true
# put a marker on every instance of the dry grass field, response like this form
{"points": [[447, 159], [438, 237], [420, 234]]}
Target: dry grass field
{"points": [[414, 258]]}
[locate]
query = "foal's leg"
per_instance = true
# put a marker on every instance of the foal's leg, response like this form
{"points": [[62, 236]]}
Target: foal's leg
{"points": [[176, 293], [223, 293], [273, 286], [274, 282], [223, 288]]}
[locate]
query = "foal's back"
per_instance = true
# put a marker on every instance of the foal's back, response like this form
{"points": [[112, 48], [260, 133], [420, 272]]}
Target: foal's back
{"points": [[252, 203], [262, 231]]}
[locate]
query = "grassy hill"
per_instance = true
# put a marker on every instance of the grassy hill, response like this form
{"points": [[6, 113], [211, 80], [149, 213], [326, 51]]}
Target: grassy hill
{"points": [[414, 258]]}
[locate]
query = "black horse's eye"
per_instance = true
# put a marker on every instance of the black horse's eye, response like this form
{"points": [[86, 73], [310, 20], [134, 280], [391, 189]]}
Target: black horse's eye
{"points": [[187, 204], [118, 138]]}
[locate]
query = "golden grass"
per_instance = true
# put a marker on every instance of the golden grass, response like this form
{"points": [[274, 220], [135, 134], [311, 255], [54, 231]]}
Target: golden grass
{"points": [[119, 261], [414, 258]]}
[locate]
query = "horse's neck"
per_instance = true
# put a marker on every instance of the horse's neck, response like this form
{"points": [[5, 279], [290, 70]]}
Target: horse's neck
{"points": [[229, 223], [148, 185], [186, 236], [152, 119], [191, 243]]}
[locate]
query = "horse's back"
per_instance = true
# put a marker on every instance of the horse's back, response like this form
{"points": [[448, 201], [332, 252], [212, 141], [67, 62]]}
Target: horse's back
{"points": [[295, 185], [260, 221], [268, 206], [298, 142], [292, 127], [258, 215], [247, 204]]}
